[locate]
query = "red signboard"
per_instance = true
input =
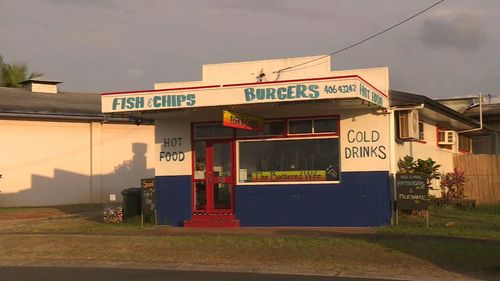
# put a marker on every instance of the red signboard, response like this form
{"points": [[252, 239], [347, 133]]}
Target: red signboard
{"points": [[243, 121]]}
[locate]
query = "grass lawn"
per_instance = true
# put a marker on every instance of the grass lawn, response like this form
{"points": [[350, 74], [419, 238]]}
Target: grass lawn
{"points": [[470, 248]]}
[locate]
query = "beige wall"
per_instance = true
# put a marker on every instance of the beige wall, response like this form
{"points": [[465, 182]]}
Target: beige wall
{"points": [[53, 163], [429, 148], [359, 129], [246, 72], [354, 121], [43, 88]]}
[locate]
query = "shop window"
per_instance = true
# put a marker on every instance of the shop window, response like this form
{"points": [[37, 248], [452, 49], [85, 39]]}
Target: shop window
{"points": [[212, 131], [325, 125], [300, 126], [304, 160], [464, 143], [271, 128], [199, 160], [313, 126]]}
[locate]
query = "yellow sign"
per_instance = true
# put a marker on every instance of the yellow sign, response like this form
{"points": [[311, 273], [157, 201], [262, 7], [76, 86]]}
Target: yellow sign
{"points": [[276, 176], [243, 121]]}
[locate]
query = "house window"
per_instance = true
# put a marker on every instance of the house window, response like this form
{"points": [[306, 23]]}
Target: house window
{"points": [[421, 130], [404, 130], [409, 125], [446, 137], [464, 143], [285, 160]]}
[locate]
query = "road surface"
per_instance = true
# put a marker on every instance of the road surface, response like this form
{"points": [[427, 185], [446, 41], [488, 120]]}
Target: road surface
{"points": [[97, 274]]}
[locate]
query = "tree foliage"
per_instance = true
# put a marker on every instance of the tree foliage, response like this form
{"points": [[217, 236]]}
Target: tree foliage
{"points": [[407, 165], [429, 168], [11, 74], [1, 67], [452, 185]]}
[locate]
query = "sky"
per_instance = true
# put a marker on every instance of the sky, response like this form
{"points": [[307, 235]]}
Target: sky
{"points": [[123, 45]]}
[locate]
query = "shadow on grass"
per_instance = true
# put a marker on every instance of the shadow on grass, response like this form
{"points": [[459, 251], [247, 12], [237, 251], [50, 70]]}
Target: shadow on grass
{"points": [[477, 258], [465, 241], [470, 247], [473, 257]]}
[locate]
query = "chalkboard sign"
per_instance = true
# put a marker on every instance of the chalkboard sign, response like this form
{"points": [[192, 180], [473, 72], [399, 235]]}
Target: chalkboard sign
{"points": [[148, 196], [411, 192]]}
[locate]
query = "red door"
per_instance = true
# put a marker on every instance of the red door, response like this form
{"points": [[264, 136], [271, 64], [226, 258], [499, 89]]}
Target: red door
{"points": [[213, 179]]}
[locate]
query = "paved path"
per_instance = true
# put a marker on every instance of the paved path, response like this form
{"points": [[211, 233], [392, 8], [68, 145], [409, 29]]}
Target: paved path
{"points": [[97, 274]]}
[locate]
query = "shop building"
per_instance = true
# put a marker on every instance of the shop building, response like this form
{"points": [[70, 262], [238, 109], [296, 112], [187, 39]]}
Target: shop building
{"points": [[322, 147]]}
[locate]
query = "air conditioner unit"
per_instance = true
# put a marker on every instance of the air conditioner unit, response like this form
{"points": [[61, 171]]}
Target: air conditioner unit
{"points": [[446, 137], [408, 124]]}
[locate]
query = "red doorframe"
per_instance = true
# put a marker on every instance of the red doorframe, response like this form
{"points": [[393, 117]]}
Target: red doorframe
{"points": [[212, 179]]}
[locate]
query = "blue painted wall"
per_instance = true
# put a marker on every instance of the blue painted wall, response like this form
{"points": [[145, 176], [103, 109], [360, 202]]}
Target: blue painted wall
{"points": [[173, 199], [361, 199]]}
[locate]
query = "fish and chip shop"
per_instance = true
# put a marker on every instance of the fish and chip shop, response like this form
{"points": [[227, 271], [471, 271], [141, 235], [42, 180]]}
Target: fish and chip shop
{"points": [[257, 144]]}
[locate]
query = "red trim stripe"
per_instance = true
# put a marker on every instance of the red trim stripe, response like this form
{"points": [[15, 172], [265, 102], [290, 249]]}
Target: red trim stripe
{"points": [[247, 84], [305, 79], [379, 91]]}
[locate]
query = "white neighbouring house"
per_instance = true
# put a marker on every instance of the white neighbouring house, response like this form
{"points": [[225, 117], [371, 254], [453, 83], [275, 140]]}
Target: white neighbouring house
{"points": [[58, 148]]}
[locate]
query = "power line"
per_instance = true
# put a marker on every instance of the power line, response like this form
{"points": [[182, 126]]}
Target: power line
{"points": [[364, 40]]}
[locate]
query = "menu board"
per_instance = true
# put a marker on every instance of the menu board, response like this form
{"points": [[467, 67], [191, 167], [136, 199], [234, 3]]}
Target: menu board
{"points": [[411, 192], [148, 196]]}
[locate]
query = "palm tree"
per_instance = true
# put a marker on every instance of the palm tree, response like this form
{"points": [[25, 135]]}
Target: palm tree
{"points": [[1, 67], [14, 73], [11, 74]]}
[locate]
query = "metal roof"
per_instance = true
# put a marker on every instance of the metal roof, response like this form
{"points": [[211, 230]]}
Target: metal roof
{"points": [[489, 110], [41, 80], [21, 101], [445, 116]]}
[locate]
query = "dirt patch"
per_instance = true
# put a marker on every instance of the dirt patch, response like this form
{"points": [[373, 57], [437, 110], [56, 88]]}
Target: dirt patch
{"points": [[33, 213], [29, 214]]}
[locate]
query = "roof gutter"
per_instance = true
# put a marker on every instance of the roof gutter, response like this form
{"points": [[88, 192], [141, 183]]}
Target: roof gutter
{"points": [[395, 108], [62, 117], [480, 117]]}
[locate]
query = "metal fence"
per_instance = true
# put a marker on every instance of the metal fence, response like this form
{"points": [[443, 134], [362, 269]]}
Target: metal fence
{"points": [[465, 214]]}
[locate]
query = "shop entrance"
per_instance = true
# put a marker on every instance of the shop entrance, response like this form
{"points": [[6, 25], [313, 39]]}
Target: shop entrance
{"points": [[213, 194], [213, 197], [213, 176]]}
